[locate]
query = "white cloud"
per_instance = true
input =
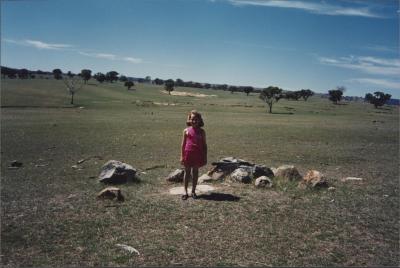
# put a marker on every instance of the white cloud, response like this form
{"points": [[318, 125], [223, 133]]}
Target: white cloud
{"points": [[312, 7], [99, 55], [371, 65], [43, 45], [38, 44], [381, 48], [133, 60], [377, 82], [109, 56]]}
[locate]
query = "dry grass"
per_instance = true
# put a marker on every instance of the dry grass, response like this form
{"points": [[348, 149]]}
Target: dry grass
{"points": [[50, 215]]}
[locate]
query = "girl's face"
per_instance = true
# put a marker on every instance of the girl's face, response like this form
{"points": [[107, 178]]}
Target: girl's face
{"points": [[194, 120]]}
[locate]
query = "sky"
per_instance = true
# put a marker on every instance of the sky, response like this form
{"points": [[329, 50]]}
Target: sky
{"points": [[299, 44]]}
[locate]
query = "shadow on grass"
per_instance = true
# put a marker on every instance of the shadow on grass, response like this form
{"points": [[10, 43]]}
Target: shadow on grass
{"points": [[219, 197]]}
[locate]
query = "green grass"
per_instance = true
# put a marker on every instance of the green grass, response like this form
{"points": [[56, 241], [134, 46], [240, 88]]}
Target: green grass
{"points": [[50, 215]]}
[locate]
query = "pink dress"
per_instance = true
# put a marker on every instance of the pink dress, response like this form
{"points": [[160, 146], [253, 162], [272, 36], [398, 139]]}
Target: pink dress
{"points": [[194, 153]]}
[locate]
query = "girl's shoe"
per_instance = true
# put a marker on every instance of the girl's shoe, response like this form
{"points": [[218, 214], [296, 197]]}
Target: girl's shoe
{"points": [[194, 195], [185, 196]]}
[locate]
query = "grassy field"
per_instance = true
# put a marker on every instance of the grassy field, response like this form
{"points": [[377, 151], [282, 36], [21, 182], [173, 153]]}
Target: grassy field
{"points": [[50, 215]]}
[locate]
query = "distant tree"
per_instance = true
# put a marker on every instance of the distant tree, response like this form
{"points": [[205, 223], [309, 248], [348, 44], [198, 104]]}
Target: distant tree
{"points": [[378, 99], [129, 84], [73, 84], [10, 72], [23, 74], [336, 95], [123, 78], [271, 95], [158, 81], [233, 89], [306, 93], [86, 75], [207, 85], [57, 74], [112, 76], [70, 74], [100, 77], [148, 79], [179, 82], [248, 90], [292, 95], [169, 85]]}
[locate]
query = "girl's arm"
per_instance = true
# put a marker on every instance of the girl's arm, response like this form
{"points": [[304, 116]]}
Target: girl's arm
{"points": [[183, 145], [205, 145]]}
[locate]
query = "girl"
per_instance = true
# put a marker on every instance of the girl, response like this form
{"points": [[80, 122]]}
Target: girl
{"points": [[194, 150]]}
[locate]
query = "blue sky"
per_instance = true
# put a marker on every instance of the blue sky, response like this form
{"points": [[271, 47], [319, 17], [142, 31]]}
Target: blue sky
{"points": [[291, 44]]}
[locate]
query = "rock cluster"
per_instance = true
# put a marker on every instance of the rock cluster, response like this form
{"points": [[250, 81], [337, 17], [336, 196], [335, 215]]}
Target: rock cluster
{"points": [[239, 170]]}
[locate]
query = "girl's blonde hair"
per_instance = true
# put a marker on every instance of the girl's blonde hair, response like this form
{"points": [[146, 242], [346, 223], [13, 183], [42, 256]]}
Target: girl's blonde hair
{"points": [[195, 114]]}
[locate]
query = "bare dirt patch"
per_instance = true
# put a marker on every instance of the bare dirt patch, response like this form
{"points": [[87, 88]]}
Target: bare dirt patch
{"points": [[188, 94]]}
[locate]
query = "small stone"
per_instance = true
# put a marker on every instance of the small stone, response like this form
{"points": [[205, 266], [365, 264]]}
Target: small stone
{"points": [[352, 179], [111, 193], [263, 181], [331, 189], [16, 163]]}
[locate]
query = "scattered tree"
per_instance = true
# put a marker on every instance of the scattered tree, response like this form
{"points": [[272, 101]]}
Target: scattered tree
{"points": [[233, 89], [23, 74], [271, 95], [70, 74], [100, 77], [86, 74], [292, 95], [57, 74], [158, 81], [335, 95], [379, 99], [123, 78], [169, 85], [306, 93], [112, 76], [129, 84], [247, 90], [179, 83], [73, 84]]}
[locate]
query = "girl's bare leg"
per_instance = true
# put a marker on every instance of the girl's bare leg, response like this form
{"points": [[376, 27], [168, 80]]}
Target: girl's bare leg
{"points": [[186, 179], [195, 174]]}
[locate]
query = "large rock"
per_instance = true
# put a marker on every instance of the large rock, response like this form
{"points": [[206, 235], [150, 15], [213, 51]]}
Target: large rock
{"points": [[241, 175], [204, 178], [288, 172], [117, 172], [261, 170], [263, 182], [229, 164], [111, 193], [315, 179], [176, 175]]}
